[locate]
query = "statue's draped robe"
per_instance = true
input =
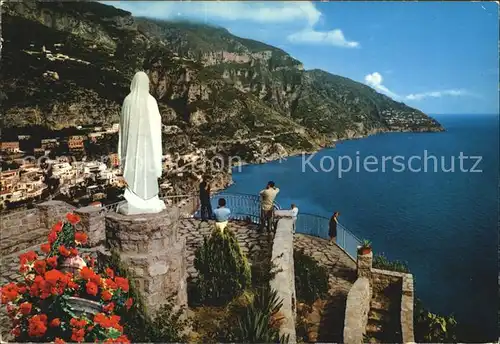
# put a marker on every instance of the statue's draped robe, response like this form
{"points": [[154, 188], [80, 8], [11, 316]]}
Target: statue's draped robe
{"points": [[140, 148]]}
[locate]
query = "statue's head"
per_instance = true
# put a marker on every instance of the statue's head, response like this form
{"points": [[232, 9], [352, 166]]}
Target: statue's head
{"points": [[140, 82]]}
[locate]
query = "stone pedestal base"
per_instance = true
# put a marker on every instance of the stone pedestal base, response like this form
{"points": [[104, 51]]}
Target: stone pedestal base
{"points": [[151, 248]]}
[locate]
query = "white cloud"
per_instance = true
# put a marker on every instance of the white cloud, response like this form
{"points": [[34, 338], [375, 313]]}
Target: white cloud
{"points": [[261, 12], [293, 14], [333, 37], [437, 94], [375, 80]]}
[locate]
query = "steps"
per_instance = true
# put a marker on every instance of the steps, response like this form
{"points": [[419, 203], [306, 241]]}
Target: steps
{"points": [[383, 321]]}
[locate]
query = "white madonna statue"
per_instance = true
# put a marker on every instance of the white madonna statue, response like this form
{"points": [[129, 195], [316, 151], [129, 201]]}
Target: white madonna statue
{"points": [[140, 149]]}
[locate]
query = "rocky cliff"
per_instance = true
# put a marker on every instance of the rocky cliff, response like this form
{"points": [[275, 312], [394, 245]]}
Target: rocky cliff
{"points": [[67, 64]]}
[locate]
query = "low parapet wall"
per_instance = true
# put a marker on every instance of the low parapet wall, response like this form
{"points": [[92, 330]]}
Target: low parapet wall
{"points": [[284, 280], [356, 313], [26, 228], [404, 283]]}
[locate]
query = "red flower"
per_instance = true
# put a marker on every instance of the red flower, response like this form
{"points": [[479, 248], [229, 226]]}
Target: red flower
{"points": [[52, 237], [120, 340], [81, 238], [27, 257], [106, 295], [25, 308], [110, 273], [78, 335], [78, 323], [64, 251], [88, 274], [56, 322], [91, 288], [55, 276], [73, 251], [122, 283], [59, 341], [40, 266], [72, 285], [16, 331], [129, 303], [57, 227], [110, 307], [111, 284], [11, 309], [37, 326], [45, 248], [52, 261], [108, 322], [9, 292], [21, 288], [73, 218]]}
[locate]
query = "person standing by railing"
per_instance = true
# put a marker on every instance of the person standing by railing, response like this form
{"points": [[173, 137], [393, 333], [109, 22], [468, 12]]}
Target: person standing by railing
{"points": [[332, 231], [267, 197], [205, 206], [295, 213]]}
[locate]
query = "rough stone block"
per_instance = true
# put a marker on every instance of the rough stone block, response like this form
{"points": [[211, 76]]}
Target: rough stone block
{"points": [[284, 281], [52, 212], [357, 308], [148, 245], [364, 264]]}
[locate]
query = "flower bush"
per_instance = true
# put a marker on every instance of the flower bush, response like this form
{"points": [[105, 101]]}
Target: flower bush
{"points": [[42, 305]]}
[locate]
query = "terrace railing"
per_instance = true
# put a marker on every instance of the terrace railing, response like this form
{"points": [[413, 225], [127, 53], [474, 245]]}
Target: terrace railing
{"points": [[247, 207], [318, 226]]}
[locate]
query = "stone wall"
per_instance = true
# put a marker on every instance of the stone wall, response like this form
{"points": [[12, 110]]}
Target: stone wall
{"points": [[284, 281], [154, 253], [403, 283], [356, 313], [26, 228], [16, 231], [52, 212]]}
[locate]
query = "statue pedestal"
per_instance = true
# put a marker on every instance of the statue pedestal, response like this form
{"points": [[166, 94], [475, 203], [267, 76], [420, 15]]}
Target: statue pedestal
{"points": [[135, 205], [149, 246]]}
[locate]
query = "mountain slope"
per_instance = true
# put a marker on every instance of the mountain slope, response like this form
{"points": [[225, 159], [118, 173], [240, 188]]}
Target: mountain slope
{"points": [[210, 84]]}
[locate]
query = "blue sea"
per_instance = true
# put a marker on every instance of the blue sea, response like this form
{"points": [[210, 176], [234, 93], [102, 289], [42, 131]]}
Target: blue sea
{"points": [[444, 224]]}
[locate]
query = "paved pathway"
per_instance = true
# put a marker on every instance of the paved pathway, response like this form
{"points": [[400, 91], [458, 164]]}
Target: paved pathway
{"points": [[251, 241], [342, 270]]}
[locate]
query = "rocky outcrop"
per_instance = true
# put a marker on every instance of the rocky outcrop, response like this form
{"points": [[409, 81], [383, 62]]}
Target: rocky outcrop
{"points": [[210, 84]]}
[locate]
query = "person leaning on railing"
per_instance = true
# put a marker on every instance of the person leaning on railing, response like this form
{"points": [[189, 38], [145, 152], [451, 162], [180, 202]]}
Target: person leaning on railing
{"points": [[332, 231], [267, 197]]}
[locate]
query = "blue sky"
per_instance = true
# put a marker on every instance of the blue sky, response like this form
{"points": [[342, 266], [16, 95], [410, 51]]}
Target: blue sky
{"points": [[440, 57]]}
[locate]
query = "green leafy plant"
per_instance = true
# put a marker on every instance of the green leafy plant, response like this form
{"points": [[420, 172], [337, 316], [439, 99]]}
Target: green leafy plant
{"points": [[365, 247], [259, 322], [169, 325], [433, 328], [311, 279], [381, 262], [223, 269]]}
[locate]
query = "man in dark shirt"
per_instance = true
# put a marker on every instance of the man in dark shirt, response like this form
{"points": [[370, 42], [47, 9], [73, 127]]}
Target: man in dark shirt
{"points": [[206, 207]]}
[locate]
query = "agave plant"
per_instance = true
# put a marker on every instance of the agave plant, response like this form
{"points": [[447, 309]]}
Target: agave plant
{"points": [[257, 322]]}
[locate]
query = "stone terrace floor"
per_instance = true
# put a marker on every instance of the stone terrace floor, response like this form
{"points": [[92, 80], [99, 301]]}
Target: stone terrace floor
{"points": [[251, 241], [342, 274]]}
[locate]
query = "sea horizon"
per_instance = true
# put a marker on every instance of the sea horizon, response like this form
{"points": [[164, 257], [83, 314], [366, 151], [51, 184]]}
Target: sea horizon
{"points": [[431, 206]]}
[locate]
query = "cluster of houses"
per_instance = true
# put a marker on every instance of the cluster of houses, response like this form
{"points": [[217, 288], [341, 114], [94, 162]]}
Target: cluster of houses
{"points": [[27, 182], [31, 180]]}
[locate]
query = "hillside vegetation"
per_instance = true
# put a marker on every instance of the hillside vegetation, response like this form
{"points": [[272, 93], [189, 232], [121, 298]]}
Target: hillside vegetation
{"points": [[210, 84]]}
